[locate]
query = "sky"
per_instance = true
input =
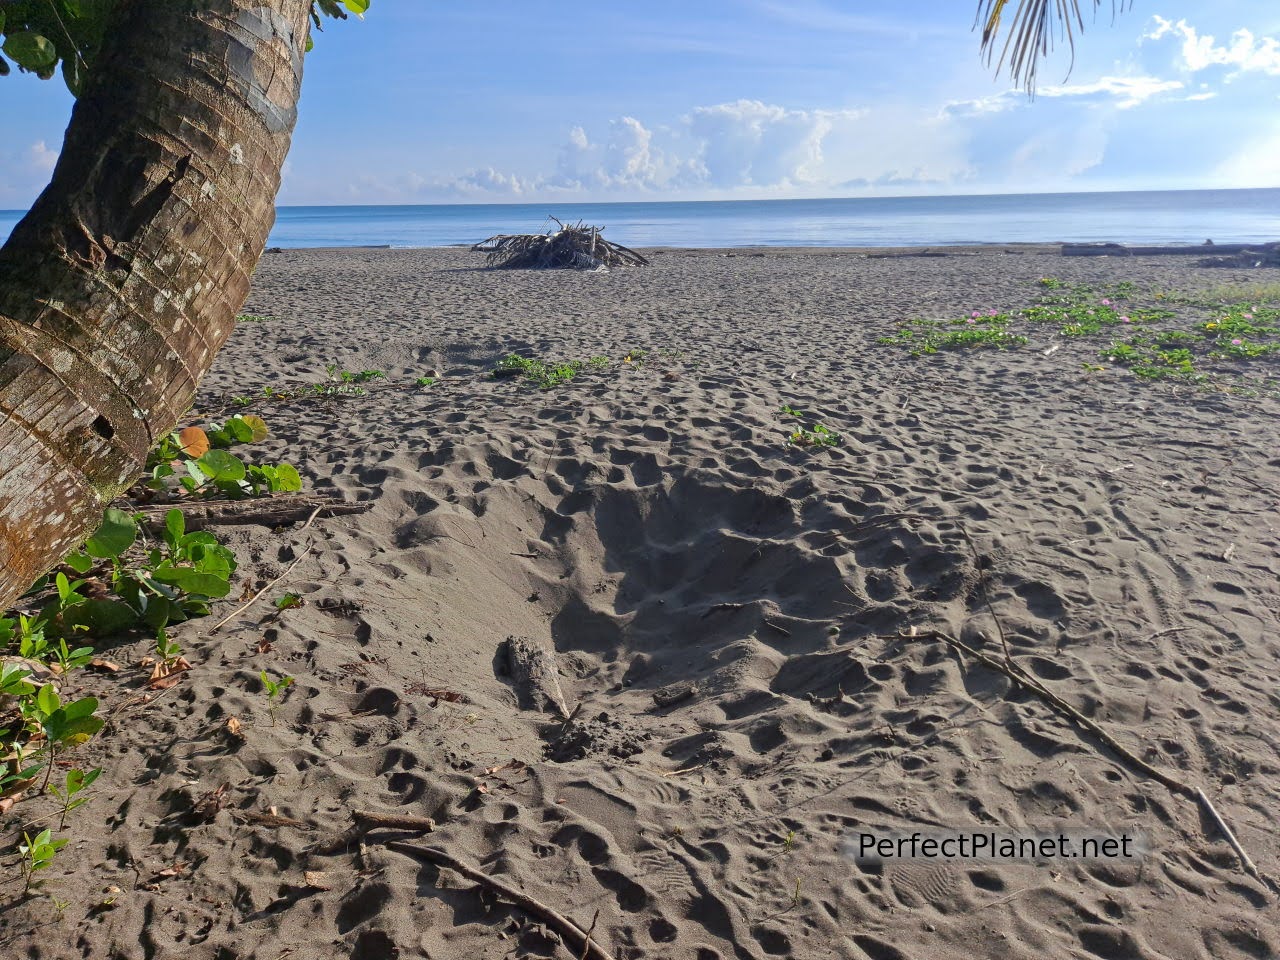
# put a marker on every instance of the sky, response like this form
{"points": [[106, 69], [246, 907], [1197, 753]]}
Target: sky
{"points": [[516, 101]]}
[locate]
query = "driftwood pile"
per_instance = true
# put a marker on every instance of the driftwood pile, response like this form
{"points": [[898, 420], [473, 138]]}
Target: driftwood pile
{"points": [[576, 246], [1224, 254]]}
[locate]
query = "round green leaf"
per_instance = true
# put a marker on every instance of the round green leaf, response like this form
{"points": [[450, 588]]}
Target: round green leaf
{"points": [[47, 699], [203, 584], [258, 426], [242, 431], [114, 537], [30, 51], [222, 467], [98, 618], [287, 479]]}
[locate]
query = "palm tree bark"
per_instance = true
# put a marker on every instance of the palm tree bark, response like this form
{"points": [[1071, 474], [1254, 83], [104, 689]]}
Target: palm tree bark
{"points": [[120, 285]]}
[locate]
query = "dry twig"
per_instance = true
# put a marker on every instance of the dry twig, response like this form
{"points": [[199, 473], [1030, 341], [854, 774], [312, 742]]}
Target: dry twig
{"points": [[578, 937], [288, 570]]}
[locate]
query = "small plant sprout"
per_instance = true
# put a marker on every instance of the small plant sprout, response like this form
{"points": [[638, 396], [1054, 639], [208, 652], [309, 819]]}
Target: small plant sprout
{"points": [[818, 436], [37, 854], [167, 650], [274, 688], [75, 783], [790, 411], [289, 601], [425, 381]]}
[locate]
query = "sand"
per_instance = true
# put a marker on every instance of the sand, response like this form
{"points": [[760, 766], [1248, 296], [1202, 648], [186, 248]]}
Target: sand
{"points": [[650, 524]]}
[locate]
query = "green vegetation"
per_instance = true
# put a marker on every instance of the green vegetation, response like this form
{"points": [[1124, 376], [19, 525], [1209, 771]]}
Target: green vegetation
{"points": [[1158, 343], [814, 435], [41, 34], [194, 461], [544, 374], [37, 854], [127, 576], [274, 689], [924, 337]]}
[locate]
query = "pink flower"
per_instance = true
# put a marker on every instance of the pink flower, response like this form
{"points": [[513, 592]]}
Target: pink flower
{"points": [[1236, 342], [971, 320], [1125, 320], [1106, 302], [975, 314], [991, 313], [1248, 316]]}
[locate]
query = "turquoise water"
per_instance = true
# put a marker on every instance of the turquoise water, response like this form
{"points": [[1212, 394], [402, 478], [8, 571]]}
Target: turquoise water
{"points": [[1182, 216]]}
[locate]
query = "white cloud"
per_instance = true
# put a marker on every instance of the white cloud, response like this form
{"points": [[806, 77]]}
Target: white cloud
{"points": [[487, 180], [1127, 92], [1245, 52], [743, 144], [1121, 92], [750, 143], [41, 158], [626, 159]]}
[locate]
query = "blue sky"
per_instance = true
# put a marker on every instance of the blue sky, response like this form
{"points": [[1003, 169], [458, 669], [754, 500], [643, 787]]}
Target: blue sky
{"points": [[512, 101]]}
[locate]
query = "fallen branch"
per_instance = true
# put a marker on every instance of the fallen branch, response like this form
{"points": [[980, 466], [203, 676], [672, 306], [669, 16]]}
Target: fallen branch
{"points": [[265, 511], [366, 821], [1248, 864], [570, 931], [1130, 759], [287, 570]]}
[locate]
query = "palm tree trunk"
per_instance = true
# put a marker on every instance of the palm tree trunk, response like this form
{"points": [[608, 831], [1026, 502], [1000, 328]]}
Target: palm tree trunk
{"points": [[120, 285]]}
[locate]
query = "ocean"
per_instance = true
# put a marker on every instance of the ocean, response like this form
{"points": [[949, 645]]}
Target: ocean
{"points": [[1142, 217]]}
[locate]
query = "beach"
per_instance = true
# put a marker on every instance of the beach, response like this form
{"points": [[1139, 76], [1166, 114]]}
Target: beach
{"points": [[744, 632]]}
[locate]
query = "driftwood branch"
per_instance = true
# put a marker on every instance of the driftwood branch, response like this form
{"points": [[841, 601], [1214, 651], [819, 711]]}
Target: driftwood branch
{"points": [[265, 511], [578, 246], [366, 821], [1018, 676], [570, 931], [1245, 861], [1128, 757], [288, 570]]}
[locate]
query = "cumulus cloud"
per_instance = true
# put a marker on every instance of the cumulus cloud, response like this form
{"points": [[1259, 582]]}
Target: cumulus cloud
{"points": [[487, 180], [627, 158], [750, 143], [41, 158], [1245, 52], [745, 143]]}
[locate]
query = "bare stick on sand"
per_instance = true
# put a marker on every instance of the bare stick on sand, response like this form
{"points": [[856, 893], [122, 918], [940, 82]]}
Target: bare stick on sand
{"points": [[1132, 760], [573, 933], [289, 569]]}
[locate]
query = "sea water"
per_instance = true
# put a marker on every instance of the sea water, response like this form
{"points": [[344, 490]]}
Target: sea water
{"points": [[1138, 217]]}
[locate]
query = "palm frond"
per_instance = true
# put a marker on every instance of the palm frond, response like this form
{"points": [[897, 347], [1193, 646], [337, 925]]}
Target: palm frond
{"points": [[1034, 28]]}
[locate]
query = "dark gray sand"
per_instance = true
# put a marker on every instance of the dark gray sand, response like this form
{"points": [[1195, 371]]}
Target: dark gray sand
{"points": [[652, 525]]}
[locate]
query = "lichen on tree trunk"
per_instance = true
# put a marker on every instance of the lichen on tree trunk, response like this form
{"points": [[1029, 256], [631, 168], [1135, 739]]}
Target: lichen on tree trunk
{"points": [[124, 279]]}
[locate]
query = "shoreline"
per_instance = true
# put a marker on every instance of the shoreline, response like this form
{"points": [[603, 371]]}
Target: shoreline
{"points": [[950, 249]]}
